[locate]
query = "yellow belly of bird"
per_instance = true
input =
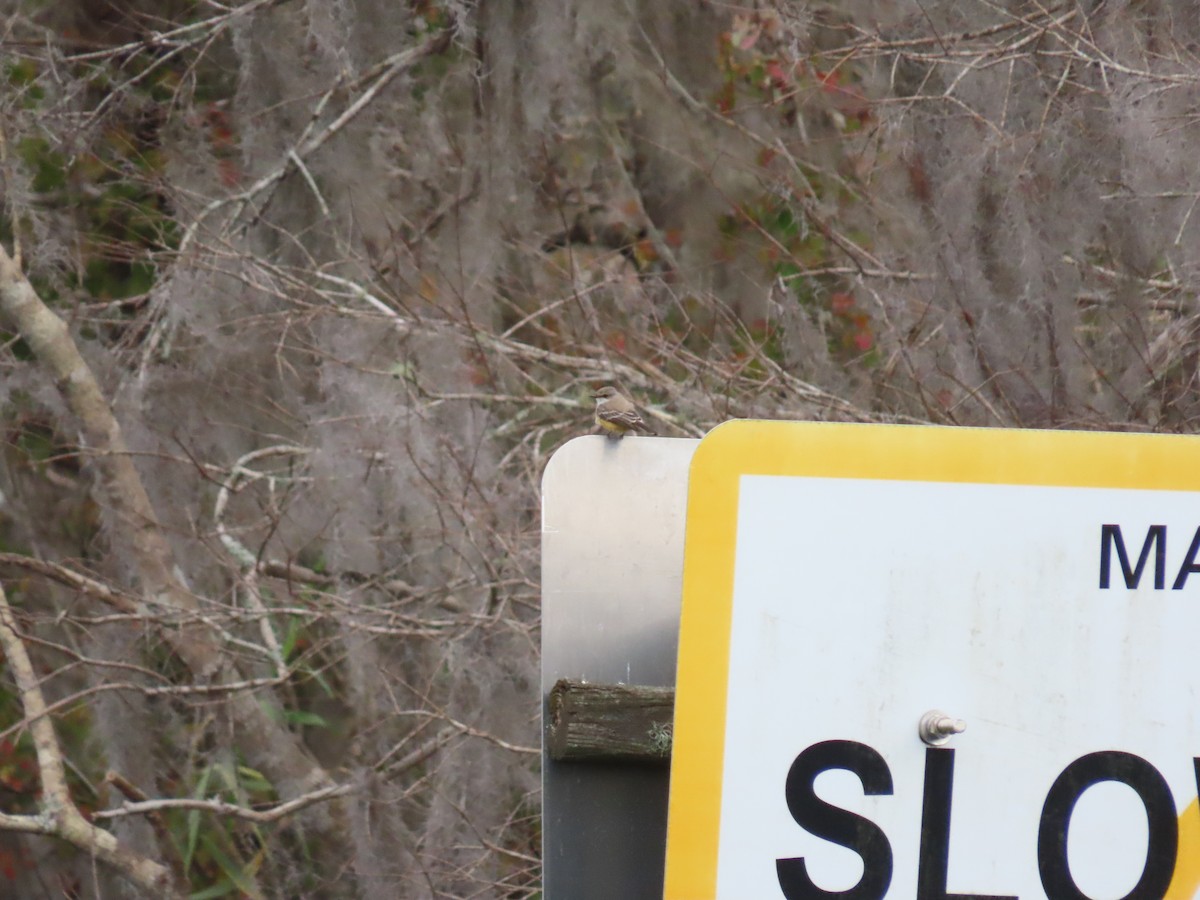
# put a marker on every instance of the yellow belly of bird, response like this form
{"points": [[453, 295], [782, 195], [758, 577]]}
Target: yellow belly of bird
{"points": [[610, 427]]}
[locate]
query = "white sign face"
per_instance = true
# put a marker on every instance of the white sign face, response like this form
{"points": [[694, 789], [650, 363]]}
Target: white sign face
{"points": [[1044, 590]]}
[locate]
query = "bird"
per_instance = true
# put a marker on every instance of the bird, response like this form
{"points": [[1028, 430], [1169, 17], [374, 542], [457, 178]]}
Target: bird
{"points": [[616, 415]]}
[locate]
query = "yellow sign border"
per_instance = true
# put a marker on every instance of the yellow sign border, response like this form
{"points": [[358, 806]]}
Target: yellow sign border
{"points": [[885, 452]]}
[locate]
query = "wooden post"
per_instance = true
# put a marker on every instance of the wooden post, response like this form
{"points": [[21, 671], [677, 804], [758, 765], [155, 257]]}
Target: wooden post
{"points": [[610, 723]]}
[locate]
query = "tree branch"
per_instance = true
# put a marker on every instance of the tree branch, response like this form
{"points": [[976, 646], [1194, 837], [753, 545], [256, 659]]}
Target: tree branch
{"points": [[138, 538], [59, 816]]}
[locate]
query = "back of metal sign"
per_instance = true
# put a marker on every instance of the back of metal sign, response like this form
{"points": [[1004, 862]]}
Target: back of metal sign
{"points": [[612, 566]]}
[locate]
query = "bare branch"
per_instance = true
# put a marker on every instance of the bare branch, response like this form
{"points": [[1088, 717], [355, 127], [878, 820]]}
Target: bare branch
{"points": [[279, 811], [60, 817]]}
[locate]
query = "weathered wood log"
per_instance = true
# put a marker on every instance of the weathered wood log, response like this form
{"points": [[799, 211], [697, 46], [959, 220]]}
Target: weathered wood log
{"points": [[609, 723]]}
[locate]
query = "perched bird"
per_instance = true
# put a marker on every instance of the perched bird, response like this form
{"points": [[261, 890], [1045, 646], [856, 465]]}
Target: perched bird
{"points": [[616, 415]]}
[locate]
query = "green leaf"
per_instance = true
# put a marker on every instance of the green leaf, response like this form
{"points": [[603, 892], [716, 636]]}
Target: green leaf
{"points": [[254, 780], [193, 819], [300, 717], [232, 871], [288, 645], [222, 888], [49, 170]]}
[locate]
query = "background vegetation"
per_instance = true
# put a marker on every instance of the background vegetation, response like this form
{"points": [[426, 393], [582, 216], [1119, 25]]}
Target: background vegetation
{"points": [[298, 296]]}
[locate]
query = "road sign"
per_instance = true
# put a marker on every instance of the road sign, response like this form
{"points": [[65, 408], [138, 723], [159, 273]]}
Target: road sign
{"points": [[847, 586]]}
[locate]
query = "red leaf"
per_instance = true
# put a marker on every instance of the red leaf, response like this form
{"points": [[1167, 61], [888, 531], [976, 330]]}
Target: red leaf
{"points": [[229, 173], [829, 80], [841, 304]]}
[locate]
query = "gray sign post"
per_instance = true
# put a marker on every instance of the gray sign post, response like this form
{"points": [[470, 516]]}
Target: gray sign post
{"points": [[612, 566]]}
